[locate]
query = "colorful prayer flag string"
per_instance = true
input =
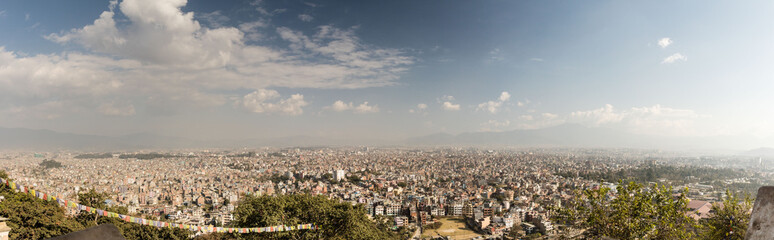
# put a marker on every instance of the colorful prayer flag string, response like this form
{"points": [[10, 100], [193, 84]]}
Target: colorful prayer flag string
{"points": [[160, 224]]}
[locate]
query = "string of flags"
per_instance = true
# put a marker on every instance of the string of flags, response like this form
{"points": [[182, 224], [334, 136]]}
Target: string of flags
{"points": [[160, 224]]}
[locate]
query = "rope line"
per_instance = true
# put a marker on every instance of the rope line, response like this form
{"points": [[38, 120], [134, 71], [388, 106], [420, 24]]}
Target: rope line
{"points": [[160, 224]]}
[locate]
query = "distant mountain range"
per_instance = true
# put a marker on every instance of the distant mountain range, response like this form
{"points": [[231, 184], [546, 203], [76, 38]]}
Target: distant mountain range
{"points": [[567, 135]]}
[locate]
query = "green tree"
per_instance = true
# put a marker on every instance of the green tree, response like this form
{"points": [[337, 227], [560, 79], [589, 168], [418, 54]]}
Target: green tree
{"points": [[634, 212], [729, 219], [50, 164], [333, 219], [96, 199], [33, 218]]}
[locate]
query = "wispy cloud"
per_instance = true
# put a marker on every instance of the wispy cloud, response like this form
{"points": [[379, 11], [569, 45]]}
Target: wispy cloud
{"points": [[494, 125], [496, 55], [114, 109], [674, 57], [214, 19], [655, 119], [420, 108], [305, 17]]}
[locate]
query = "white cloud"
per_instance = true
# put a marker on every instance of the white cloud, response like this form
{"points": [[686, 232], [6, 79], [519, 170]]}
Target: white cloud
{"points": [[365, 108], [538, 121], [664, 42], [496, 55], [420, 108], [340, 106], [305, 17], [446, 98], [598, 116], [494, 106], [490, 106], [46, 110], [215, 19], [259, 102], [504, 96], [252, 30], [549, 116], [494, 125], [653, 120], [448, 106], [674, 57], [113, 109], [258, 4], [2, 13], [58, 76], [536, 59], [163, 55]]}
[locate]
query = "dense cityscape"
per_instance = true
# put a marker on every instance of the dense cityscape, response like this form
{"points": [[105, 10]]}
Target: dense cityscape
{"points": [[386, 120], [490, 193]]}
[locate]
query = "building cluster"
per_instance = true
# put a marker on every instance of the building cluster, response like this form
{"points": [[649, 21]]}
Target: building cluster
{"points": [[495, 191]]}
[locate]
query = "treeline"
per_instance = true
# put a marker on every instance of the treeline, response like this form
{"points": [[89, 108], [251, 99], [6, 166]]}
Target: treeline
{"points": [[146, 156], [651, 212], [652, 173], [94, 155], [46, 164], [33, 218], [247, 154]]}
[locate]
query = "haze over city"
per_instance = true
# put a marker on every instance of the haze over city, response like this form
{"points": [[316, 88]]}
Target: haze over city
{"points": [[374, 120], [390, 70]]}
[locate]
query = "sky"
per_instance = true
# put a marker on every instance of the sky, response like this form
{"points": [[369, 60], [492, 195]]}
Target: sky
{"points": [[386, 70]]}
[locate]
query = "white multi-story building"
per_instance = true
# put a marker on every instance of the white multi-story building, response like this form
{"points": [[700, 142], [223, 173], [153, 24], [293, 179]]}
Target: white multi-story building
{"points": [[392, 209], [454, 209], [339, 175], [379, 210], [437, 211]]}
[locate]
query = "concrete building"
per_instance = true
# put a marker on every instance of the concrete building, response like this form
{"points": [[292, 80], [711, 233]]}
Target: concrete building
{"points": [[339, 175]]}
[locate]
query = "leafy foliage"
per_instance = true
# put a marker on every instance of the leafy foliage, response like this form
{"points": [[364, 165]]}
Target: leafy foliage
{"points": [[334, 219], [634, 212], [128, 230], [32, 218], [146, 156], [50, 164], [94, 155], [730, 219], [435, 225], [651, 173]]}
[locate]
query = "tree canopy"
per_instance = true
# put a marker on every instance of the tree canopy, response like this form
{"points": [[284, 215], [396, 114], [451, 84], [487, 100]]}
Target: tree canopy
{"points": [[730, 219], [635, 212], [334, 219]]}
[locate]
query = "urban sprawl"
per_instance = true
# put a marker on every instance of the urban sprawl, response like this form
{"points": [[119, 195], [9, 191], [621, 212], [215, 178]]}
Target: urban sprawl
{"points": [[495, 192]]}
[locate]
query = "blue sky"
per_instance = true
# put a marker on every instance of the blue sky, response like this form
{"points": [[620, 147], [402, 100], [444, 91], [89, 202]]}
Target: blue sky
{"points": [[385, 70]]}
